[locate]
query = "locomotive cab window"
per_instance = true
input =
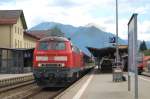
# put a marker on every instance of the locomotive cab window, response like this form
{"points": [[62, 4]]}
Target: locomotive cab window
{"points": [[52, 45]]}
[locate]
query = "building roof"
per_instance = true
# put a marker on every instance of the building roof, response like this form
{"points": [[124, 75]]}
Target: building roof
{"points": [[16, 49], [31, 35], [55, 38], [101, 52], [39, 33], [11, 16]]}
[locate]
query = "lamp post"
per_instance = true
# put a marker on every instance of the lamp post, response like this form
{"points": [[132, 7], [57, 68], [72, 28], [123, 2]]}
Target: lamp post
{"points": [[117, 70], [117, 51]]}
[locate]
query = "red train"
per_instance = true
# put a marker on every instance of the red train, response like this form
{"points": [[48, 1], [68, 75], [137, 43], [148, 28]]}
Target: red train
{"points": [[57, 62], [140, 64]]}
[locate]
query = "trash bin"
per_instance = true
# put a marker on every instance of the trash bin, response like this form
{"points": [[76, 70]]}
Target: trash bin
{"points": [[117, 74], [117, 71]]}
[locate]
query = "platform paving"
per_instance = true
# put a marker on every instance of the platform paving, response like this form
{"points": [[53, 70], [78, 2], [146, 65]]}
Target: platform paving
{"points": [[101, 86], [146, 74], [9, 76]]}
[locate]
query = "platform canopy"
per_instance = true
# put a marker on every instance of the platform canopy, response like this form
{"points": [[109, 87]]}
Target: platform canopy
{"points": [[107, 51]]}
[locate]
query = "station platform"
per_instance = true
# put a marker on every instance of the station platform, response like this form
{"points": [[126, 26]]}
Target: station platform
{"points": [[12, 79], [98, 85], [146, 74], [10, 76]]}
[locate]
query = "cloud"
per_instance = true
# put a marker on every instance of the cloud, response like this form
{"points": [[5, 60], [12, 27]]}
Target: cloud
{"points": [[64, 11], [3, 2], [80, 13], [64, 3], [143, 30], [139, 10]]}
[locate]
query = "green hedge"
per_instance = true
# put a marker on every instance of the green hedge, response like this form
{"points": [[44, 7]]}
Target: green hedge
{"points": [[146, 52]]}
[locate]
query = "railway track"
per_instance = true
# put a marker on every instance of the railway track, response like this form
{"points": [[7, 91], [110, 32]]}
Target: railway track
{"points": [[19, 92], [51, 93], [46, 93], [29, 90], [10, 87], [32, 91]]}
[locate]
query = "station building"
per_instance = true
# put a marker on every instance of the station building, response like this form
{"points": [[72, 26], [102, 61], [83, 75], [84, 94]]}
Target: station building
{"points": [[13, 30], [16, 44]]}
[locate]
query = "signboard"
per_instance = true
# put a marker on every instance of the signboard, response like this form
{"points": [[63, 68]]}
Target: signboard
{"points": [[132, 56], [112, 40]]}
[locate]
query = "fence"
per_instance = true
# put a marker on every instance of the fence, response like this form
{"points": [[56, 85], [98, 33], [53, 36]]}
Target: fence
{"points": [[15, 60]]}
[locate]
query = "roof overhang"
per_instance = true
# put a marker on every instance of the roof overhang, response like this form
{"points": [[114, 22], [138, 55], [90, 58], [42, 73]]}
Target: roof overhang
{"points": [[23, 20], [107, 51], [101, 52]]}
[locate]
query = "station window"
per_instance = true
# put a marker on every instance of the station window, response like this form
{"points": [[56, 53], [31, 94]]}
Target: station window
{"points": [[24, 45], [18, 30], [15, 43], [15, 29], [18, 43]]}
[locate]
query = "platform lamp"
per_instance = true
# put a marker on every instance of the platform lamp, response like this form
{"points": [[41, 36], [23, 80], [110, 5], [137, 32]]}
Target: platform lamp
{"points": [[117, 51]]}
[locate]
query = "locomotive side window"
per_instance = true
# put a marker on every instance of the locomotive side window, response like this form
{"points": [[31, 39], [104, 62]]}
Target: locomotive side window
{"points": [[75, 49], [53, 45]]}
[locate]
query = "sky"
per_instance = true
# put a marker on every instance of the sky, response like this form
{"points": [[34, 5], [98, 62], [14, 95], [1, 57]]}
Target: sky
{"points": [[84, 12]]}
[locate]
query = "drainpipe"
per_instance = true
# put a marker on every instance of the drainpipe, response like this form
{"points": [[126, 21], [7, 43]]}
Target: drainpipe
{"points": [[10, 37]]}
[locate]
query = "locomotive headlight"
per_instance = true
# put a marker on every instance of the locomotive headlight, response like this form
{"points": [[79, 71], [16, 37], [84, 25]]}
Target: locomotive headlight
{"points": [[60, 58], [39, 65], [41, 58], [62, 65]]}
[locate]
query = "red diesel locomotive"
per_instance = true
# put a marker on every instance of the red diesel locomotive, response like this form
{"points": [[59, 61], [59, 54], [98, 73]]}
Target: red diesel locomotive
{"points": [[57, 62]]}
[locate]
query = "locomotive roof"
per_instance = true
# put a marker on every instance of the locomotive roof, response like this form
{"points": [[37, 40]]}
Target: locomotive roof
{"points": [[55, 38]]}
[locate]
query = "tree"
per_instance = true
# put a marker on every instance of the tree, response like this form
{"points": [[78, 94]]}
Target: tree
{"points": [[55, 32], [143, 46]]}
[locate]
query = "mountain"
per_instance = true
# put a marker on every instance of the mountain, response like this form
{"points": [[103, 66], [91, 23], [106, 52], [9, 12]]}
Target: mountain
{"points": [[67, 29], [83, 36]]}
